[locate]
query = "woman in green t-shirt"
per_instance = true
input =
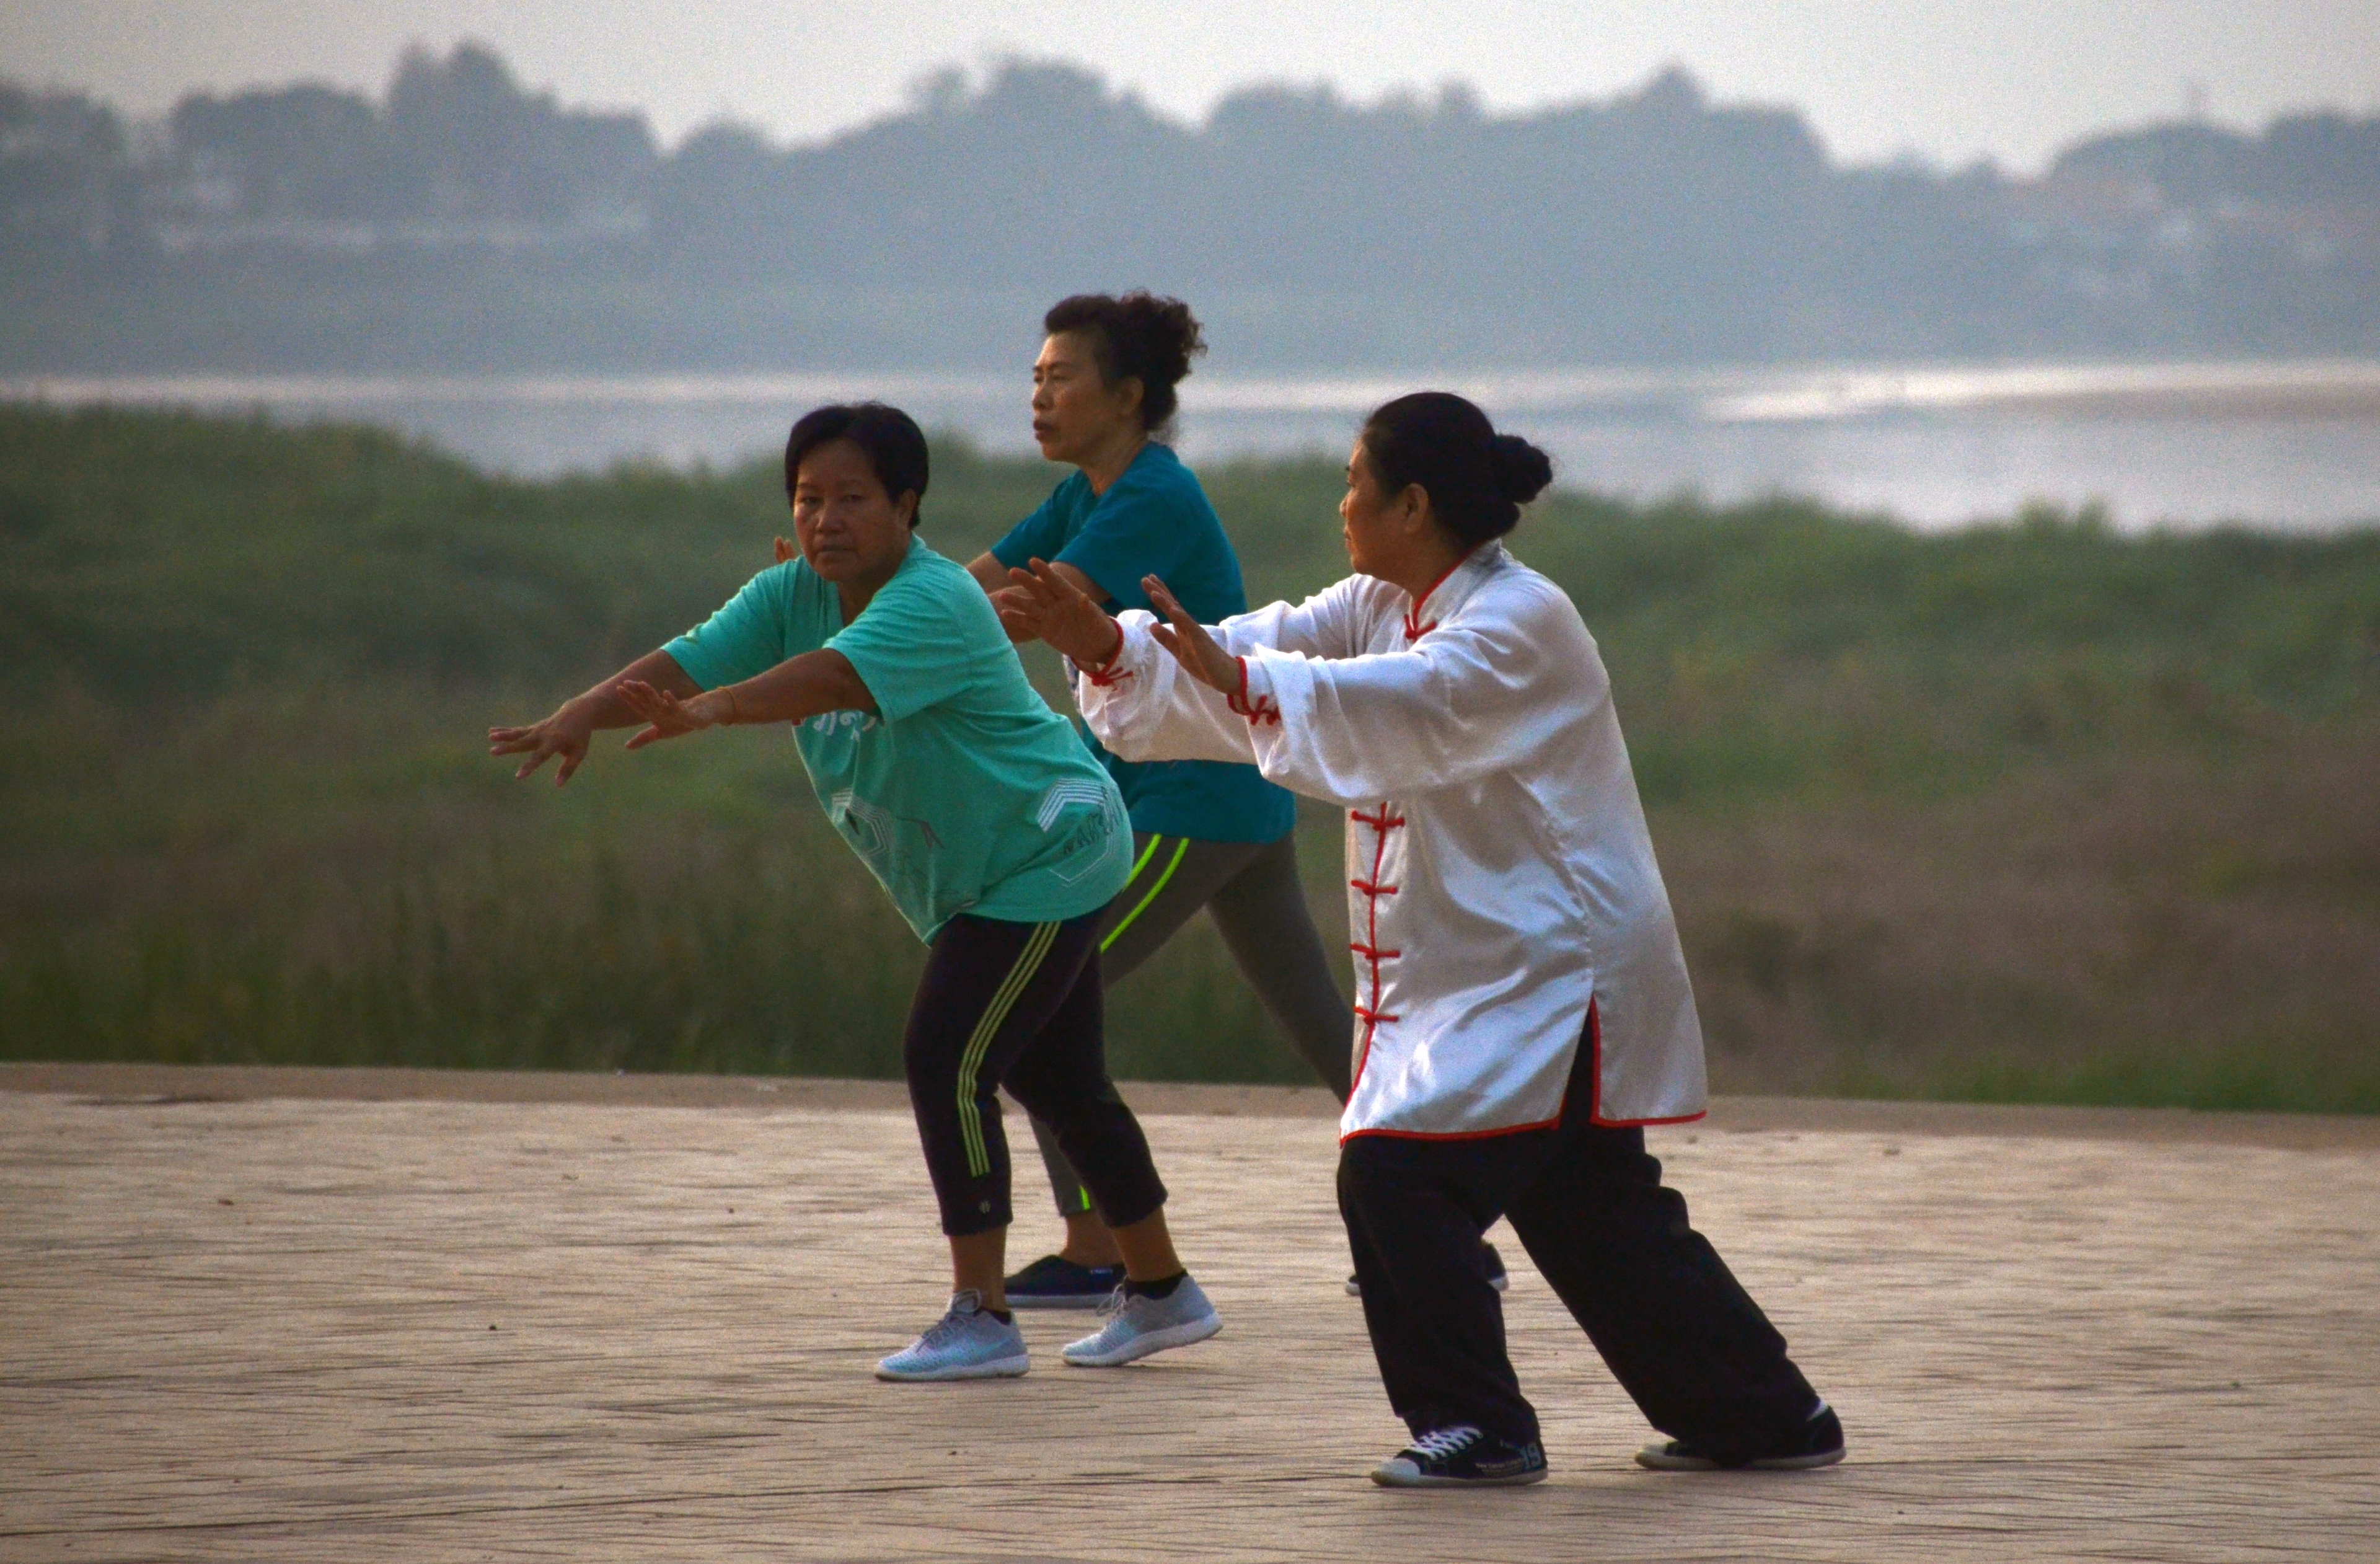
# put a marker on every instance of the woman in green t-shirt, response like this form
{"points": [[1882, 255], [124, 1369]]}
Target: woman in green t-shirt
{"points": [[1206, 833], [1000, 839]]}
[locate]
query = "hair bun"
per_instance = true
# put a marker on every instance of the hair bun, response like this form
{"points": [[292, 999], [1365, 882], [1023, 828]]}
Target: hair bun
{"points": [[1521, 470], [1169, 331]]}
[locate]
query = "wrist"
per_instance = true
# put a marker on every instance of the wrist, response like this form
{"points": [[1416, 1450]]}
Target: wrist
{"points": [[1101, 664]]}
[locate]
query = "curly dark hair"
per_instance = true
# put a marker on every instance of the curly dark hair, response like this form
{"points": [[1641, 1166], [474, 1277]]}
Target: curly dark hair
{"points": [[1137, 336]]}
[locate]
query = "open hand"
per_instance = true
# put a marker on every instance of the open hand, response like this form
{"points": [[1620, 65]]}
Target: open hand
{"points": [[786, 552], [1041, 604], [563, 733], [665, 715], [1187, 639]]}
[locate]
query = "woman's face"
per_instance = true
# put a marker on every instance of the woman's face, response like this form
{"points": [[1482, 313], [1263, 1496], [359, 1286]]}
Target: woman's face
{"points": [[850, 530], [1377, 526], [1076, 413]]}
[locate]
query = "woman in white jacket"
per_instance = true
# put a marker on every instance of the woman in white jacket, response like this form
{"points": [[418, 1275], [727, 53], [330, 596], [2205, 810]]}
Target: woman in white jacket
{"points": [[1523, 1006]]}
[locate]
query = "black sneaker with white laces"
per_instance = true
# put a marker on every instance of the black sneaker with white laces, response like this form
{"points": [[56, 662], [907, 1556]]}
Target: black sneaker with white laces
{"points": [[1819, 1444], [1461, 1457]]}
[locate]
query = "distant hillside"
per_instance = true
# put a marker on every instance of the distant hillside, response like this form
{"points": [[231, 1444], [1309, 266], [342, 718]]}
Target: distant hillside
{"points": [[463, 222]]}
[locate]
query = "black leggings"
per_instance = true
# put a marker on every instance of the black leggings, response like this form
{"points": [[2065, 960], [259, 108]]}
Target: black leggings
{"points": [[1018, 1005], [1676, 1328], [1252, 891]]}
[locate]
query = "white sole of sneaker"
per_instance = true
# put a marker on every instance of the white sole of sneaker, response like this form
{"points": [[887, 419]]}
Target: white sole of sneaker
{"points": [[1387, 1478], [1653, 1458], [1139, 1347], [997, 1369]]}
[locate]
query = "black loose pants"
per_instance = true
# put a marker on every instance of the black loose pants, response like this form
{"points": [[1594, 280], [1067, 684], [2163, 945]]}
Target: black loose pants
{"points": [[1678, 1331]]}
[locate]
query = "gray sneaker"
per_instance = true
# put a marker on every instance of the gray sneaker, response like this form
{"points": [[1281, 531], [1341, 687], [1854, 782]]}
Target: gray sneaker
{"points": [[966, 1344], [1138, 1325]]}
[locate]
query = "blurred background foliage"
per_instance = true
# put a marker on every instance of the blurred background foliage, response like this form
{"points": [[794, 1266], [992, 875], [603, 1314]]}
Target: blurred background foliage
{"points": [[2027, 811]]}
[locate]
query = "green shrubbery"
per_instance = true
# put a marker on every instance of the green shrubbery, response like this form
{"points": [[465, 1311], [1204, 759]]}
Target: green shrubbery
{"points": [[2032, 810]]}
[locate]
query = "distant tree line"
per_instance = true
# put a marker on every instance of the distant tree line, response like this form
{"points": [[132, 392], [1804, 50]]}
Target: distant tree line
{"points": [[461, 218]]}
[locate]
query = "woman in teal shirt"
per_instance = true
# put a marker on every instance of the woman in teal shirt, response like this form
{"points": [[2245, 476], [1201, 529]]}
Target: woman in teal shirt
{"points": [[999, 839], [1206, 835]]}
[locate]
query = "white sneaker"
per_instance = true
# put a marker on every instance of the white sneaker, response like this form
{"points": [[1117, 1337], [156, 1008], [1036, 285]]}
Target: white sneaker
{"points": [[966, 1344], [1138, 1325]]}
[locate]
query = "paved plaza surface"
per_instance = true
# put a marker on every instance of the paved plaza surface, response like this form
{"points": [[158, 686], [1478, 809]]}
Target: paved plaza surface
{"points": [[316, 1315]]}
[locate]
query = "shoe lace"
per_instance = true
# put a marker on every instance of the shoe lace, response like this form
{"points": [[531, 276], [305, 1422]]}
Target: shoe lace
{"points": [[1440, 1443], [1115, 1302], [964, 1306]]}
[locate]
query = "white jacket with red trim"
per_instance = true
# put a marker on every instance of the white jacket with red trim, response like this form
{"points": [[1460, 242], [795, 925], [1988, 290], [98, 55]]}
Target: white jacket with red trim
{"points": [[1500, 876]]}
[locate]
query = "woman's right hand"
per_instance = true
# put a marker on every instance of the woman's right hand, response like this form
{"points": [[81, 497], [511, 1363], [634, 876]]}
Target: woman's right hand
{"points": [[564, 733], [1041, 604], [1199, 653]]}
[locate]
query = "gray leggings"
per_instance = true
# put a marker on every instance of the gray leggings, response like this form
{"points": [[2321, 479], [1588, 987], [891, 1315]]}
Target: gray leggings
{"points": [[1252, 891]]}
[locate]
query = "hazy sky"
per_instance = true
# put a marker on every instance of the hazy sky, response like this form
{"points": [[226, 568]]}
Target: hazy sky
{"points": [[1951, 79]]}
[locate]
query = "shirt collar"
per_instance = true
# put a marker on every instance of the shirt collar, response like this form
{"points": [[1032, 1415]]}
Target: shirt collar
{"points": [[1450, 590]]}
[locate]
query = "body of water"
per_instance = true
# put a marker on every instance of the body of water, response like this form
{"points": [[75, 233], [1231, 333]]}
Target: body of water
{"points": [[2293, 445]]}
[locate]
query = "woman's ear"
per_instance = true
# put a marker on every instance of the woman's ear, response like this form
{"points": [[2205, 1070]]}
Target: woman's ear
{"points": [[1129, 395], [906, 507], [1412, 508]]}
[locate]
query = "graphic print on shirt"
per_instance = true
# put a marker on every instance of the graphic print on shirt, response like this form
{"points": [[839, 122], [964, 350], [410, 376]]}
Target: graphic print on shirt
{"points": [[1105, 826]]}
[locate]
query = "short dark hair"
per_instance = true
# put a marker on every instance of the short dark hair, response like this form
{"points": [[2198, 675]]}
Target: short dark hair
{"points": [[889, 438], [1476, 480], [1138, 336]]}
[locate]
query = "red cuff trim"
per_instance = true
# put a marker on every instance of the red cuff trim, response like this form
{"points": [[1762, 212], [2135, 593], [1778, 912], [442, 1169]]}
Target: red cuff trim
{"points": [[1263, 709], [1105, 673]]}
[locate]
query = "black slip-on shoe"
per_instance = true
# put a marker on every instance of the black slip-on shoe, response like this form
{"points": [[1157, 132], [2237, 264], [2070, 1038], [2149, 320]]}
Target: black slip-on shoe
{"points": [[1821, 1444], [1055, 1282]]}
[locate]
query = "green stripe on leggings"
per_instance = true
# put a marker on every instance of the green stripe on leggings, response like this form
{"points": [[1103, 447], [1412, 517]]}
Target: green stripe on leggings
{"points": [[970, 1121], [1142, 862], [1117, 932]]}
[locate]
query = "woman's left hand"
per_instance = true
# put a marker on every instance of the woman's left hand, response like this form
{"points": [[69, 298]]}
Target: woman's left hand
{"points": [[664, 714], [1187, 639]]}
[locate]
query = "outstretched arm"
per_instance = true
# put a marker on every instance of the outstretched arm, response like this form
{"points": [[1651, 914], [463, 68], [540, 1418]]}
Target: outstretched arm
{"points": [[794, 690], [565, 733]]}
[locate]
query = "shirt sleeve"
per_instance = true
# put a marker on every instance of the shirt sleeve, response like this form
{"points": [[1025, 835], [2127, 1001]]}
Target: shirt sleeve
{"points": [[1475, 696], [745, 637], [1143, 707], [915, 644], [1038, 536], [1134, 531]]}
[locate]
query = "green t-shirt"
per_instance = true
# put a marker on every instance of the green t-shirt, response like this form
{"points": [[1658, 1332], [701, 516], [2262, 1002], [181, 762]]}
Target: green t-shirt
{"points": [[964, 792], [1154, 520]]}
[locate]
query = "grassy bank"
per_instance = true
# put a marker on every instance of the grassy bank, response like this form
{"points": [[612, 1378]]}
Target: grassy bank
{"points": [[2032, 811]]}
